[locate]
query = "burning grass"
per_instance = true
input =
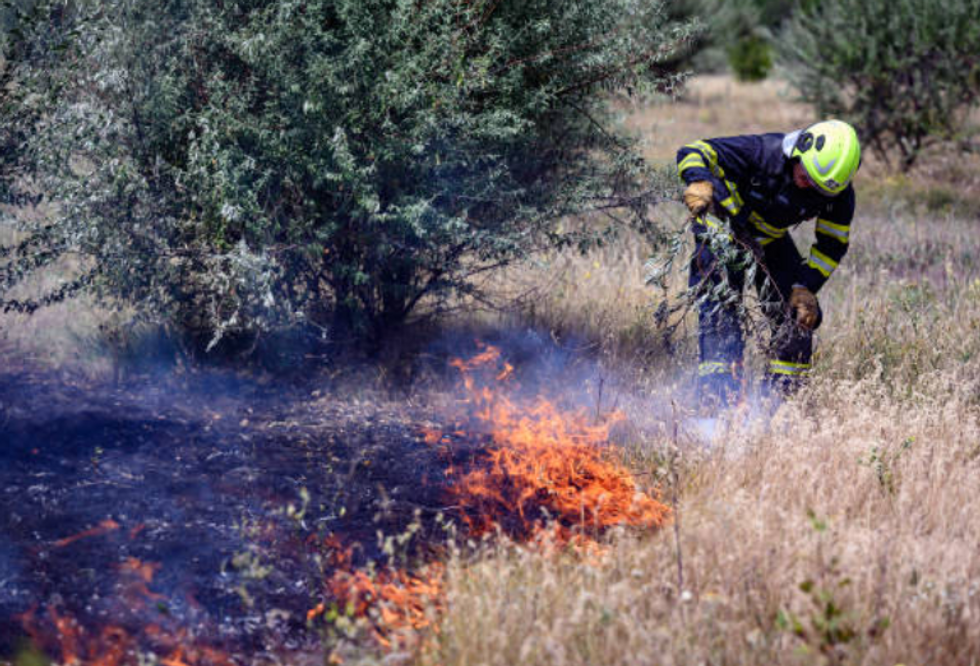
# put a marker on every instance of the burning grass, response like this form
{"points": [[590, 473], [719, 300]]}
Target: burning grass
{"points": [[844, 532], [60, 634], [506, 464], [74, 642], [542, 477], [543, 464]]}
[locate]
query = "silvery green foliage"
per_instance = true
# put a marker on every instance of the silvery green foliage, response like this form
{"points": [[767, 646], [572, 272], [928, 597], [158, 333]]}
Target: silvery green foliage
{"points": [[904, 72], [733, 255], [355, 157]]}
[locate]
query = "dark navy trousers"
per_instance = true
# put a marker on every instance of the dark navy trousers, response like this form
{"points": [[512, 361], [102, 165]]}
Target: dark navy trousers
{"points": [[721, 341]]}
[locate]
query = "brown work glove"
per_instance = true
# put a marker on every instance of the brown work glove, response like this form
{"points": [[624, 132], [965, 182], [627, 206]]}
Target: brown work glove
{"points": [[698, 196], [803, 302]]}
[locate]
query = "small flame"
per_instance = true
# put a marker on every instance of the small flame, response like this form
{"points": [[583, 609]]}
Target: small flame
{"points": [[394, 600], [113, 645], [59, 632], [140, 569], [106, 526], [397, 604]]}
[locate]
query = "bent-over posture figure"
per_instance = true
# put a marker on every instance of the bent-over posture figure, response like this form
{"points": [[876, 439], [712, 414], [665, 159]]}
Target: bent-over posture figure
{"points": [[762, 185]]}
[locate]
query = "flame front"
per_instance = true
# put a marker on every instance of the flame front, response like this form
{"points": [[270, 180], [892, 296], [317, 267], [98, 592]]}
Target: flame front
{"points": [[546, 477], [543, 463], [539, 473], [393, 599], [397, 603]]}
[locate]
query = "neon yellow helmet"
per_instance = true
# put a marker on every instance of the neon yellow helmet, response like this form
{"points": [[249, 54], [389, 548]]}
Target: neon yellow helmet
{"points": [[830, 153]]}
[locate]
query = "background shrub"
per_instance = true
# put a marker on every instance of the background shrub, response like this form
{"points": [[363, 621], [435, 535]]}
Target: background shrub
{"points": [[904, 73], [751, 58]]}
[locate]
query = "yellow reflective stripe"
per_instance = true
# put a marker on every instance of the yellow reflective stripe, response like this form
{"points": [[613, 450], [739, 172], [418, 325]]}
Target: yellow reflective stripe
{"points": [[708, 151], [821, 262], [765, 227], [733, 189], [731, 205], [788, 368], [714, 368], [692, 160], [734, 202], [764, 240], [841, 232]]}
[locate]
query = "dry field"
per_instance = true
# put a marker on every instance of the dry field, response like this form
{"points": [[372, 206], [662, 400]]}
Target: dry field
{"points": [[845, 532]]}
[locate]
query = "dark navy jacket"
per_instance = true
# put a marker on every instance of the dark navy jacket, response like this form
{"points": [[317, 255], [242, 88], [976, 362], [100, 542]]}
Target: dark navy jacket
{"points": [[753, 182]]}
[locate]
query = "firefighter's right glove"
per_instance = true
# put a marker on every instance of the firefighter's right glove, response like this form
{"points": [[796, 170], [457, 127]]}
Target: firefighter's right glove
{"points": [[698, 196], [803, 304]]}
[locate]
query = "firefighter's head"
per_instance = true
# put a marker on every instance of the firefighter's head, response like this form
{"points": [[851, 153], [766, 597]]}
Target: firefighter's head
{"points": [[827, 155]]}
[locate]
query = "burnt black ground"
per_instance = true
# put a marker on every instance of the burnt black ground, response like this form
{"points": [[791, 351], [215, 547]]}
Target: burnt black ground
{"points": [[196, 468]]}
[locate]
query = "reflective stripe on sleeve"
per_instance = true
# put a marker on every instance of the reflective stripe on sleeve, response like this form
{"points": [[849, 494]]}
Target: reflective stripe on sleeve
{"points": [[788, 368], [692, 160], [821, 262], [732, 205], [734, 202], [708, 151], [841, 232]]}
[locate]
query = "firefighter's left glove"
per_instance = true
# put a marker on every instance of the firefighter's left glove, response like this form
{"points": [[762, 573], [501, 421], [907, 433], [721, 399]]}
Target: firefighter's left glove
{"points": [[804, 305], [698, 196]]}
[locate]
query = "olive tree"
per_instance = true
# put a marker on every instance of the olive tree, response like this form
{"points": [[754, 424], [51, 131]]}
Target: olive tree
{"points": [[235, 166]]}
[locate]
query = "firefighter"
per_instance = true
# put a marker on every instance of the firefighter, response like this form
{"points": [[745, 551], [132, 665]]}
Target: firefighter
{"points": [[744, 194]]}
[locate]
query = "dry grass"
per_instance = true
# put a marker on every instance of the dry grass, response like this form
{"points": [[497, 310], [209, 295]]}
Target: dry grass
{"points": [[715, 105], [63, 334], [845, 531], [872, 503]]}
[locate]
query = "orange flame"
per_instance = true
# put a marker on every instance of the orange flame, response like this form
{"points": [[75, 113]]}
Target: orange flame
{"points": [[547, 478], [544, 463], [396, 603], [392, 599], [106, 526], [113, 645]]}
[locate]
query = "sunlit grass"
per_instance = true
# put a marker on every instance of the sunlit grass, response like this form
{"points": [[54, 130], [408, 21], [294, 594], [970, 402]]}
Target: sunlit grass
{"points": [[844, 531]]}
